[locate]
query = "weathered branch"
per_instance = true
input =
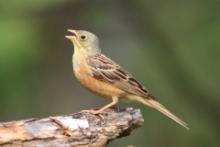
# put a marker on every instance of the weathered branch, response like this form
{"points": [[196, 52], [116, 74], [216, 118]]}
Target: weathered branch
{"points": [[81, 129]]}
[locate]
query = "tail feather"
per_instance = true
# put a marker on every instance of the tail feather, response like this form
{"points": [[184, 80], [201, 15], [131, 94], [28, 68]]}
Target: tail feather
{"points": [[156, 105], [166, 112]]}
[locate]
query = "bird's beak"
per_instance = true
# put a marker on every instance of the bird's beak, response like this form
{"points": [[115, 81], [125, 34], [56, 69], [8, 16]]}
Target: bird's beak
{"points": [[73, 36]]}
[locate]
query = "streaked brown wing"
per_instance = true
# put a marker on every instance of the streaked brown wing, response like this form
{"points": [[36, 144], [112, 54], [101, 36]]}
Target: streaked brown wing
{"points": [[106, 70]]}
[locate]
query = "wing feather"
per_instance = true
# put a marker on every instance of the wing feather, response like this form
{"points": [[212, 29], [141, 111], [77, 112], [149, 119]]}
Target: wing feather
{"points": [[106, 70]]}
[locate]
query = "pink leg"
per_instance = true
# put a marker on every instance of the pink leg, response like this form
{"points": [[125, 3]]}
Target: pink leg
{"points": [[114, 101]]}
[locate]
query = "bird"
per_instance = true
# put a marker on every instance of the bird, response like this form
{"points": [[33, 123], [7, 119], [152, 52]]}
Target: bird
{"points": [[104, 77]]}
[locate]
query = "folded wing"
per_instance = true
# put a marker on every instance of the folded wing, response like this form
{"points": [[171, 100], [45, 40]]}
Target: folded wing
{"points": [[106, 70]]}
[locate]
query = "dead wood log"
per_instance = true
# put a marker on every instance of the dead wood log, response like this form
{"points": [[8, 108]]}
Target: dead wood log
{"points": [[81, 129]]}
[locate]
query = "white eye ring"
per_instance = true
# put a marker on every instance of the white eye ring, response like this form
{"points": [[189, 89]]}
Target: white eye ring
{"points": [[83, 37]]}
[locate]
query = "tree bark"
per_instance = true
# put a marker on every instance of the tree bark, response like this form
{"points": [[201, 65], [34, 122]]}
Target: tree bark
{"points": [[81, 129]]}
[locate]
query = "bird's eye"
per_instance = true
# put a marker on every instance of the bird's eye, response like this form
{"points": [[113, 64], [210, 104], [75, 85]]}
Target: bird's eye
{"points": [[83, 37]]}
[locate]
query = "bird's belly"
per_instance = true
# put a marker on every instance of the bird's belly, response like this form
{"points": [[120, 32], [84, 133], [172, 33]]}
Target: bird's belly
{"points": [[98, 87]]}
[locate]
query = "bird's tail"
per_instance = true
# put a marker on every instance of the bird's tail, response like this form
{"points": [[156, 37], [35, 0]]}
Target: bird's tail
{"points": [[156, 105]]}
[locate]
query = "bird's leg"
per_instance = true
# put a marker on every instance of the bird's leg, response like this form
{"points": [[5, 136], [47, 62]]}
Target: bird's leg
{"points": [[114, 101]]}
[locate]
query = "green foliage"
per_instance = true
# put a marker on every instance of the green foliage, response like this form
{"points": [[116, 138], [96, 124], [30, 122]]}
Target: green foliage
{"points": [[172, 47]]}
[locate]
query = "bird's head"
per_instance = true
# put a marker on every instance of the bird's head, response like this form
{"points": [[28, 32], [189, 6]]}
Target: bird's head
{"points": [[84, 41]]}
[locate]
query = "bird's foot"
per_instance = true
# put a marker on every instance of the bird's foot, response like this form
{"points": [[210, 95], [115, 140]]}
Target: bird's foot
{"points": [[93, 111]]}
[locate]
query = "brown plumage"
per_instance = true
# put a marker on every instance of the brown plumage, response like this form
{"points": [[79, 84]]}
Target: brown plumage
{"points": [[104, 77], [95, 84], [104, 69]]}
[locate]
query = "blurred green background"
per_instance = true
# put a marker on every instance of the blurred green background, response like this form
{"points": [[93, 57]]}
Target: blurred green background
{"points": [[171, 46]]}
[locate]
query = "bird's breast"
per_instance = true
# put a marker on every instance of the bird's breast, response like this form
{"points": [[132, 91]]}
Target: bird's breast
{"points": [[84, 75]]}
